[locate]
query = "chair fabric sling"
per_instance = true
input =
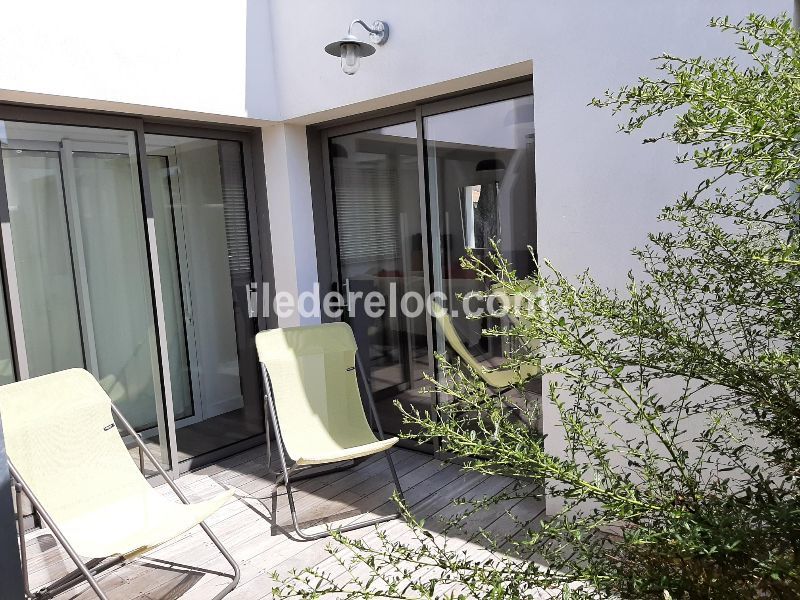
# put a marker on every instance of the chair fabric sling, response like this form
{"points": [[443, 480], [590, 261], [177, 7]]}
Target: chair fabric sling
{"points": [[528, 302], [497, 378], [316, 393], [62, 441], [313, 396]]}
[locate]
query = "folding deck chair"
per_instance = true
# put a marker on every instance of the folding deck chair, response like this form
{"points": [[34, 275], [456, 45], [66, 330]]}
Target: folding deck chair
{"points": [[67, 456], [498, 378], [312, 398]]}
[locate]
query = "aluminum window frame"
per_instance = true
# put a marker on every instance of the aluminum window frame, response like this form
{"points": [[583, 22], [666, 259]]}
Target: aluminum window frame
{"points": [[258, 236], [323, 201]]}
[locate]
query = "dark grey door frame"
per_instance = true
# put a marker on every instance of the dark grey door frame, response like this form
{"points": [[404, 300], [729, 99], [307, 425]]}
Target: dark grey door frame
{"points": [[323, 201], [258, 217], [10, 569], [319, 135], [260, 250]]}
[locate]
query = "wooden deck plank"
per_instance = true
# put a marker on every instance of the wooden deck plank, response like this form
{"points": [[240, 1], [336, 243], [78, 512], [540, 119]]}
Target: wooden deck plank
{"points": [[424, 497], [238, 530], [435, 523], [262, 557], [482, 531], [415, 496], [190, 567]]}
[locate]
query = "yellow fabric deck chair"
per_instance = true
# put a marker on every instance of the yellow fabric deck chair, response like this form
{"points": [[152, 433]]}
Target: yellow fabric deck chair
{"points": [[313, 401], [67, 456], [498, 378]]}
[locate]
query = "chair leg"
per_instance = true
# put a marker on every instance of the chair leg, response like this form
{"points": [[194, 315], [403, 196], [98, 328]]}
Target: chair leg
{"points": [[84, 571], [234, 565], [146, 451], [305, 535], [95, 567], [98, 566], [23, 549], [60, 585], [394, 475], [311, 472]]}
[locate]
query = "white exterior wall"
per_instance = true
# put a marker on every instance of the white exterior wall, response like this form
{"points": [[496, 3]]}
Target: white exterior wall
{"points": [[212, 57], [291, 218], [261, 61], [598, 192]]}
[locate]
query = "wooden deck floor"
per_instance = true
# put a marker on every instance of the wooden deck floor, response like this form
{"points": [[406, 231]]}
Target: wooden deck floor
{"points": [[189, 566]]}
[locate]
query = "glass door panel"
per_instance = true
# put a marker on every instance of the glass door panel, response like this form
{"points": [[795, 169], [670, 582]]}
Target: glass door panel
{"points": [[116, 282], [204, 252], [44, 269], [80, 257], [168, 221], [480, 188], [379, 231], [7, 371]]}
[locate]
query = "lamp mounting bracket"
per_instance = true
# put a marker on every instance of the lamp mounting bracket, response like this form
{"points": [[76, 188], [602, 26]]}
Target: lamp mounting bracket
{"points": [[378, 32]]}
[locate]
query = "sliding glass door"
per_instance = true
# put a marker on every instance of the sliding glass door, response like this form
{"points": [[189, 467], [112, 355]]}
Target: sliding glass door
{"points": [[199, 204], [380, 241], [408, 199], [480, 189], [80, 261], [128, 254]]}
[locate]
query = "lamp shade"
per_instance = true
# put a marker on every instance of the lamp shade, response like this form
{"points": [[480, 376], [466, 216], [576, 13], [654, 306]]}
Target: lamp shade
{"points": [[490, 164], [364, 49]]}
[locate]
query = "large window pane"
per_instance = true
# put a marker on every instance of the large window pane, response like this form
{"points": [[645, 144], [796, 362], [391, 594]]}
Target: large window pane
{"points": [[200, 210], [44, 270], [481, 188], [376, 192], [80, 256]]}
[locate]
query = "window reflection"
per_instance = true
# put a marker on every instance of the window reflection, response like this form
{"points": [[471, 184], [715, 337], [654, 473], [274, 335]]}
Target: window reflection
{"points": [[379, 229], [480, 183], [481, 188]]}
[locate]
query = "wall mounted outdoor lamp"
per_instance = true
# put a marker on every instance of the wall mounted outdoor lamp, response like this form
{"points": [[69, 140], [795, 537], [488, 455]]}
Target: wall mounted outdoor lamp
{"points": [[350, 49]]}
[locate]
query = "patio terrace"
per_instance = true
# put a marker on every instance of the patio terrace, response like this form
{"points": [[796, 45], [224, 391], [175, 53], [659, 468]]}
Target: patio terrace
{"points": [[189, 566]]}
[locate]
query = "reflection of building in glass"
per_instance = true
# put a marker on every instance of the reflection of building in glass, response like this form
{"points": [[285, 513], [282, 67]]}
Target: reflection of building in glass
{"points": [[477, 186]]}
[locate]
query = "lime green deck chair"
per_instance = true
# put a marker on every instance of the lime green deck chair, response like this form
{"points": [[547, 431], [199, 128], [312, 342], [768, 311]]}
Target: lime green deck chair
{"points": [[312, 398], [67, 456], [498, 378]]}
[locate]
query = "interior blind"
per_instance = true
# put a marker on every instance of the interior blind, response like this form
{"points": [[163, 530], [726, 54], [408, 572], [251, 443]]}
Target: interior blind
{"points": [[234, 205], [366, 211]]}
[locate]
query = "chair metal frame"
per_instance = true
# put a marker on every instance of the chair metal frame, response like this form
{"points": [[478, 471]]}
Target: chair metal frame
{"points": [[297, 471], [95, 567]]}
